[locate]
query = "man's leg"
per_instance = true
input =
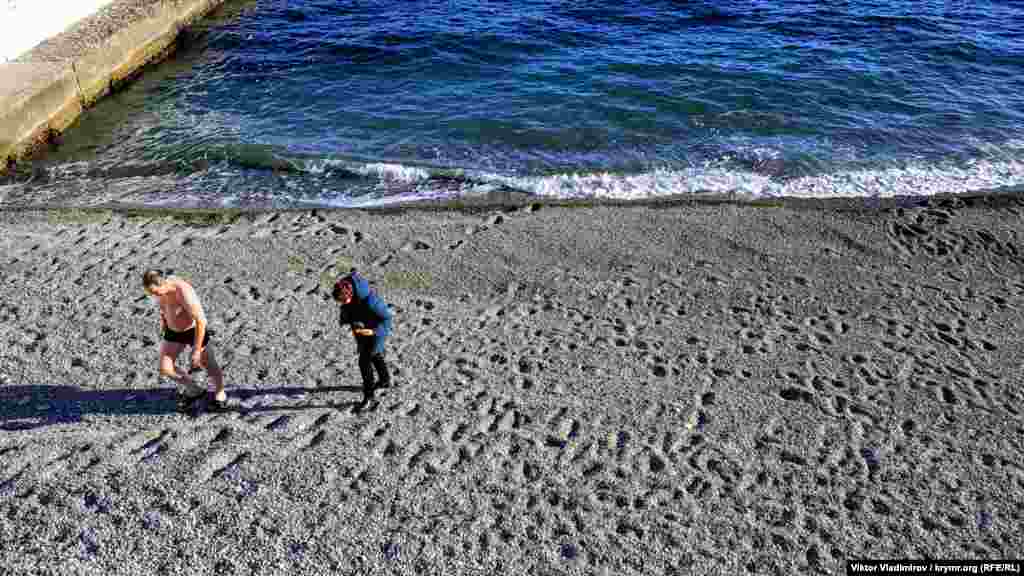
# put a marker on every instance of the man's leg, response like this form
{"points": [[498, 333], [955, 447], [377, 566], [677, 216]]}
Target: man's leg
{"points": [[216, 374], [169, 352]]}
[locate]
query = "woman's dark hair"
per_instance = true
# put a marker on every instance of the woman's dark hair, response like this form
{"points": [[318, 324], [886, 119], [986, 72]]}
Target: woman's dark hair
{"points": [[339, 287]]}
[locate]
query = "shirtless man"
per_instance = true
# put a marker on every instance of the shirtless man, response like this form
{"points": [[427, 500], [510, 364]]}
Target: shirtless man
{"points": [[183, 323]]}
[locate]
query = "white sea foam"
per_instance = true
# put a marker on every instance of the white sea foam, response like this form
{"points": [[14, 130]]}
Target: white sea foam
{"points": [[394, 172], [389, 172], [909, 180], [383, 183]]}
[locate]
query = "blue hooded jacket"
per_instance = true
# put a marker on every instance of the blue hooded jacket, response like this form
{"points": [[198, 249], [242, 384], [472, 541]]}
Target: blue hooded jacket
{"points": [[368, 309]]}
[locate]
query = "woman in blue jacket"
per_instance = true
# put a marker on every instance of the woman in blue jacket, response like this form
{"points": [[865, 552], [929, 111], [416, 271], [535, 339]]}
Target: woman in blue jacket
{"points": [[370, 319]]}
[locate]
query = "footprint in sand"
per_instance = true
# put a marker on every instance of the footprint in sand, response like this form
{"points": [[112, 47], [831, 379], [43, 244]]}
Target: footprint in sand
{"points": [[415, 246]]}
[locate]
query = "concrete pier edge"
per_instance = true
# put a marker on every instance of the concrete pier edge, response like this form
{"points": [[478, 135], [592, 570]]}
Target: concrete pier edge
{"points": [[45, 90]]}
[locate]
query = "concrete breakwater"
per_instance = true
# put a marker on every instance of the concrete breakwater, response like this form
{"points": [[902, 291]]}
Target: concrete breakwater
{"points": [[44, 90]]}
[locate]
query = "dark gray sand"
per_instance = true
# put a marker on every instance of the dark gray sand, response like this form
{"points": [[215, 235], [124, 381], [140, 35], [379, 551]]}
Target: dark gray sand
{"points": [[663, 389]]}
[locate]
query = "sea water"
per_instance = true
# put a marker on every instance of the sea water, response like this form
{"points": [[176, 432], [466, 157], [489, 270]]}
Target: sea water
{"points": [[284, 103]]}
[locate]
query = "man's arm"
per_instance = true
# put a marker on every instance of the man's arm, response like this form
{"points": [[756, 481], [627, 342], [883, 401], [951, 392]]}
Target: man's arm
{"points": [[191, 301]]}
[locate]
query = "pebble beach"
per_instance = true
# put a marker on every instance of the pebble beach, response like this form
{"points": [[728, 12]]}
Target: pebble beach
{"points": [[679, 387]]}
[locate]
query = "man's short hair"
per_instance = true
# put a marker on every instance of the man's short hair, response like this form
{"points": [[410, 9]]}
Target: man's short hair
{"points": [[152, 278]]}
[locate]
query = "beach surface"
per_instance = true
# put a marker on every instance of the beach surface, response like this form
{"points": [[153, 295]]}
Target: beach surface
{"points": [[664, 388]]}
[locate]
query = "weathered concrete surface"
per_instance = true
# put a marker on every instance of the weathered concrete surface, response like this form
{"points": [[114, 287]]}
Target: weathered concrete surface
{"points": [[128, 50], [45, 89], [36, 100]]}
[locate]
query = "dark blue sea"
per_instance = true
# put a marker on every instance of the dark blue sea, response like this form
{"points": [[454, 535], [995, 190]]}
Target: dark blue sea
{"points": [[285, 103]]}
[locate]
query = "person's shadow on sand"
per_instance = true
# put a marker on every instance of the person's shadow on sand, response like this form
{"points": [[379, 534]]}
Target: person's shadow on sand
{"points": [[34, 406]]}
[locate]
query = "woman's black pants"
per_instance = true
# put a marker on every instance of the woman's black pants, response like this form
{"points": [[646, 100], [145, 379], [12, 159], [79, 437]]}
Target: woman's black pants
{"points": [[370, 361]]}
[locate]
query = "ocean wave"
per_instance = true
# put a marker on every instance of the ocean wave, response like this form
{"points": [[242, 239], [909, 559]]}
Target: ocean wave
{"points": [[256, 174], [916, 179]]}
